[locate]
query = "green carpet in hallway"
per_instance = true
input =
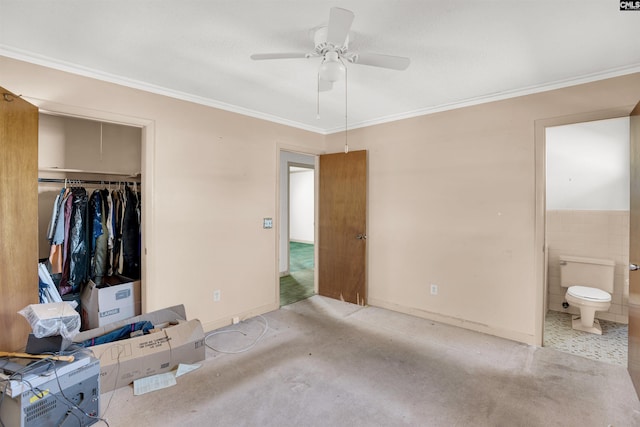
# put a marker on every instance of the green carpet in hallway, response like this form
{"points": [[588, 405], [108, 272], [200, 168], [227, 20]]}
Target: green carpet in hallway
{"points": [[298, 285]]}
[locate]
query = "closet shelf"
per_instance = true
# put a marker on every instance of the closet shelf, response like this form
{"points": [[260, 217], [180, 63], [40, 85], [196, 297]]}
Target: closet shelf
{"points": [[61, 170]]}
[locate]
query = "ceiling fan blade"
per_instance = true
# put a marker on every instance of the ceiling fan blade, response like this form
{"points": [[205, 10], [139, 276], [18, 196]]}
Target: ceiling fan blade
{"points": [[324, 85], [284, 55], [339, 25], [384, 61]]}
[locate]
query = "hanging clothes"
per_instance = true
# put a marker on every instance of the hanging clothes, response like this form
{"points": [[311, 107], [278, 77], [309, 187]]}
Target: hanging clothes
{"points": [[55, 233], [79, 245], [64, 286], [108, 220], [94, 235], [131, 235], [99, 237], [118, 212]]}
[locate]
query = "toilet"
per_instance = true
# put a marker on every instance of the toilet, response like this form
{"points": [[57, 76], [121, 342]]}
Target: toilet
{"points": [[589, 283]]}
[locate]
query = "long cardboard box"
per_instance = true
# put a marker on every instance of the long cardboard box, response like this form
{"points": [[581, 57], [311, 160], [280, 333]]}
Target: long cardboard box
{"points": [[122, 362]]}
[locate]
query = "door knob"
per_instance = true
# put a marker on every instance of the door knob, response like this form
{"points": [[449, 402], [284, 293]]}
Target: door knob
{"points": [[634, 267], [361, 236]]}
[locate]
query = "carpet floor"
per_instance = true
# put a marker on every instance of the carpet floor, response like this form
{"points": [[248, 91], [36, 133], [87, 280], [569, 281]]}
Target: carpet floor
{"points": [[298, 284], [322, 362]]}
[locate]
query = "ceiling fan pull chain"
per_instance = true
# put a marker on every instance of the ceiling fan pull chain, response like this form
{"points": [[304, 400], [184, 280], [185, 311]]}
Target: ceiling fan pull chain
{"points": [[346, 142], [318, 96]]}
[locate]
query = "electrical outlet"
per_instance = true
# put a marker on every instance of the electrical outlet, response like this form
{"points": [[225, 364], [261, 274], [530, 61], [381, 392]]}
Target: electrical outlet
{"points": [[216, 296], [434, 289]]}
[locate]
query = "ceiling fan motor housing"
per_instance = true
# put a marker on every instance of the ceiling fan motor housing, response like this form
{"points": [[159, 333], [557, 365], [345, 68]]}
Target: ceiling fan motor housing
{"points": [[320, 42]]}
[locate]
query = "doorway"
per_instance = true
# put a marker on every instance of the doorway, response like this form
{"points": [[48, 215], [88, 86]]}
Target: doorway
{"points": [[297, 230], [587, 215]]}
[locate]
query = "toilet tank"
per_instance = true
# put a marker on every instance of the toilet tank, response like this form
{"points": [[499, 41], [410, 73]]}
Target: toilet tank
{"points": [[591, 272]]}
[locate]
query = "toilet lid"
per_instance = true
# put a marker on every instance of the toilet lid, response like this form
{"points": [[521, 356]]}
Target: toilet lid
{"points": [[592, 294]]}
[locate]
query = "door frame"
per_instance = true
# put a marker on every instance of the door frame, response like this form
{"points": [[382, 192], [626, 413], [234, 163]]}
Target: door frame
{"points": [[278, 223], [147, 156], [540, 126]]}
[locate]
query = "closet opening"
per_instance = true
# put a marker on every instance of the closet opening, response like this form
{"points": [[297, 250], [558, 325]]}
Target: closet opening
{"points": [[90, 212]]}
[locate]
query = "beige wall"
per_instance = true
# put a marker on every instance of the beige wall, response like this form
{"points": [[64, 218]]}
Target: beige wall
{"points": [[592, 234], [455, 199], [209, 177], [452, 199]]}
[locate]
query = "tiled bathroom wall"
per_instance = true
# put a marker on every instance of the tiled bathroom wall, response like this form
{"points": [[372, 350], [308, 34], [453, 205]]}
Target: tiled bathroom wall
{"points": [[593, 234]]}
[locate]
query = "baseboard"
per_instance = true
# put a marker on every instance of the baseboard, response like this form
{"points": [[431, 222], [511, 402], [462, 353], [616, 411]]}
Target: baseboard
{"points": [[307, 242], [220, 323], [453, 321]]}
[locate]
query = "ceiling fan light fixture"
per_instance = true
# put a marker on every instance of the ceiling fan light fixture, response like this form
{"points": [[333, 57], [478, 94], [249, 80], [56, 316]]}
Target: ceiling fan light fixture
{"points": [[331, 68]]}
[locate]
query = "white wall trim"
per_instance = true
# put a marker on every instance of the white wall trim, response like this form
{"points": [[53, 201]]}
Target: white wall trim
{"points": [[68, 67], [46, 61], [148, 150], [461, 323], [540, 126], [500, 96], [211, 326]]}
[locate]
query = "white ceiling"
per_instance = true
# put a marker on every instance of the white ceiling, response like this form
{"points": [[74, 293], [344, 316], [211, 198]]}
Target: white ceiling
{"points": [[462, 52]]}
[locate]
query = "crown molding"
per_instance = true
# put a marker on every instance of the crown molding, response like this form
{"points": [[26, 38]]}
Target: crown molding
{"points": [[559, 84], [55, 64], [48, 62]]}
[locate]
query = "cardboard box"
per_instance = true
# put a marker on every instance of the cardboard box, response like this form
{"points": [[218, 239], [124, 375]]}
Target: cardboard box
{"points": [[117, 298], [122, 362]]}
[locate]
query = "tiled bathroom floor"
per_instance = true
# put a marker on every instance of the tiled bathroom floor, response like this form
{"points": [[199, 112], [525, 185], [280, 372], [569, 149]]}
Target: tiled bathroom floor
{"points": [[609, 347]]}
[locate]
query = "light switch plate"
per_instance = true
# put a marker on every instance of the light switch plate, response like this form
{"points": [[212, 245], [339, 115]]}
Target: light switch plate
{"points": [[267, 223]]}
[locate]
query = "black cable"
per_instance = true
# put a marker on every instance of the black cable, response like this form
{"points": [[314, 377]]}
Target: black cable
{"points": [[113, 392], [74, 406], [18, 375]]}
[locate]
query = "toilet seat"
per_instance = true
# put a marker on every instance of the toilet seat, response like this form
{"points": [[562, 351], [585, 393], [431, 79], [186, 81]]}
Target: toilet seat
{"points": [[590, 294]]}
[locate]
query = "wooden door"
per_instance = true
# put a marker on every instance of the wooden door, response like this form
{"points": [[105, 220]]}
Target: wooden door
{"points": [[634, 251], [18, 217], [342, 229]]}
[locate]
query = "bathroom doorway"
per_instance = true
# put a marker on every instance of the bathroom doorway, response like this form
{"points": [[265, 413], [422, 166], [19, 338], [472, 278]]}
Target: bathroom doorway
{"points": [[587, 214]]}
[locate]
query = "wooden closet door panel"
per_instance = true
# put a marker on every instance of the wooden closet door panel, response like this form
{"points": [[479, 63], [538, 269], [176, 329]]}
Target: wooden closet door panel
{"points": [[18, 217]]}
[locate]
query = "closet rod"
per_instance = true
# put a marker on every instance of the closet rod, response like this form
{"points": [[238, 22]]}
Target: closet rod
{"points": [[72, 182], [83, 171]]}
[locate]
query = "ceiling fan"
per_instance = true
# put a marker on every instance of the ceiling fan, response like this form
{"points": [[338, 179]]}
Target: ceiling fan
{"points": [[331, 44]]}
